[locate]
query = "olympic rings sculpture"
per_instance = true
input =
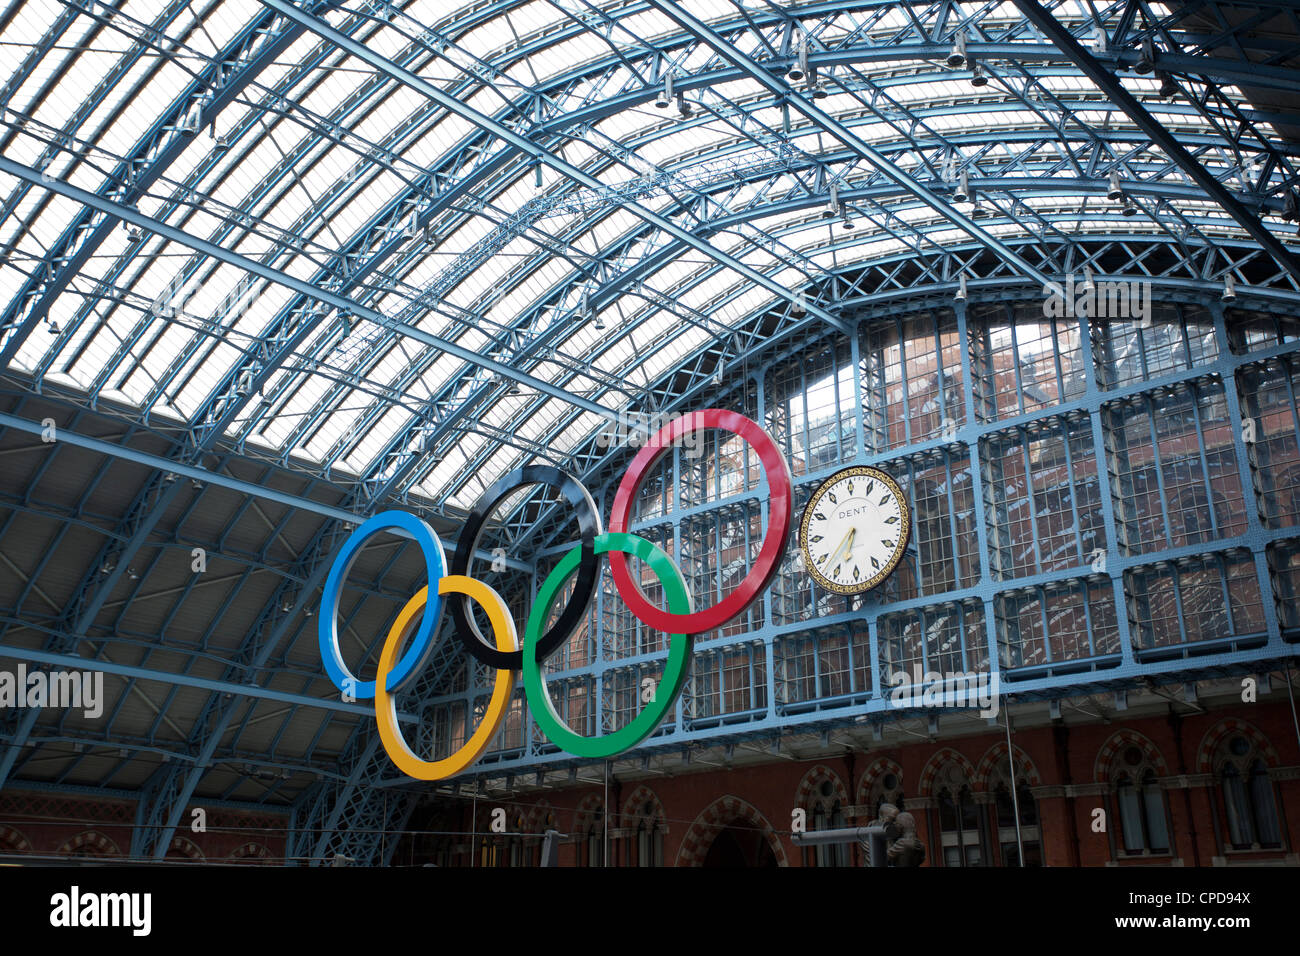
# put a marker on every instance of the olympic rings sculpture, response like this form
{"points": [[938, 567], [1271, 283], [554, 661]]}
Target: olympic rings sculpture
{"points": [[417, 624]]}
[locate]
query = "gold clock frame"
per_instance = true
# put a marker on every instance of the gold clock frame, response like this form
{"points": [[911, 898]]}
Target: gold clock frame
{"points": [[905, 511]]}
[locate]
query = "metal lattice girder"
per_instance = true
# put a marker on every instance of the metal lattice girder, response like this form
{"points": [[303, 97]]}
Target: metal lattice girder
{"points": [[249, 54], [524, 145], [732, 53], [321, 295], [810, 11], [240, 670], [1196, 267], [172, 798], [925, 34], [361, 799], [1110, 85]]}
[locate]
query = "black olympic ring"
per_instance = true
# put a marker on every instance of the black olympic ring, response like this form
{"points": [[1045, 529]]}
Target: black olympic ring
{"points": [[584, 586]]}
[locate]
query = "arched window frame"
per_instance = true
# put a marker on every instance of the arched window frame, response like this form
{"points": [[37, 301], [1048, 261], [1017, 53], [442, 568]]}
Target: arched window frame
{"points": [[1005, 829], [1139, 808], [967, 842], [1249, 808]]}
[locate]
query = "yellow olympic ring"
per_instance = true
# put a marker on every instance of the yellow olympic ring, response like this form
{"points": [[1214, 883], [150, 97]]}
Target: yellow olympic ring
{"points": [[503, 628]]}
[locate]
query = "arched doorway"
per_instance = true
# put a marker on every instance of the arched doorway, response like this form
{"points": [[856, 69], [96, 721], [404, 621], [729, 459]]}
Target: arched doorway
{"points": [[731, 833], [740, 844]]}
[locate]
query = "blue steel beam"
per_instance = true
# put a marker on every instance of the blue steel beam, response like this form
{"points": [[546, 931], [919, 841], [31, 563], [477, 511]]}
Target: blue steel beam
{"points": [[221, 480], [781, 88], [526, 146], [1018, 49], [220, 687], [1162, 137], [83, 237], [323, 296]]}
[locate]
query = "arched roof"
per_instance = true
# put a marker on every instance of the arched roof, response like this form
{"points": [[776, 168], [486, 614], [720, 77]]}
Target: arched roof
{"points": [[365, 252]]}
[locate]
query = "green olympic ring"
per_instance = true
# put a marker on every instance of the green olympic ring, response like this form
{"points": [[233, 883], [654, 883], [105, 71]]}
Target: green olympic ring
{"points": [[679, 650]]}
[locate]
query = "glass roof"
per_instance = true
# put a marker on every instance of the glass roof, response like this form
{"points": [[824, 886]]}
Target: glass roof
{"points": [[232, 124]]}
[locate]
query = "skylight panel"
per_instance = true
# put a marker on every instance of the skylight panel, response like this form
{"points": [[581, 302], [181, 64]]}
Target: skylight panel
{"points": [[31, 22], [27, 150], [650, 25], [449, 470], [334, 87], [155, 364], [576, 431], [309, 392]]}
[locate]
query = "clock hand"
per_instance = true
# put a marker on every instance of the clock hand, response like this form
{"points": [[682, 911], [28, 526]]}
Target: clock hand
{"points": [[847, 541], [830, 562]]}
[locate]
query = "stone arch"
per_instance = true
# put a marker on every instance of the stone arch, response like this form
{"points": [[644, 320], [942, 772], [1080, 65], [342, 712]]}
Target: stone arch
{"points": [[90, 840], [879, 767], [925, 785], [251, 852], [724, 810], [632, 812], [182, 846], [809, 786], [535, 819], [586, 813], [1226, 728], [1025, 767], [11, 841], [1120, 741]]}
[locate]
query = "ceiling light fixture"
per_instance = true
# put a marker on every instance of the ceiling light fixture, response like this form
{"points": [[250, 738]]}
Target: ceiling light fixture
{"points": [[957, 56], [665, 95], [189, 127], [1115, 191], [799, 69], [815, 86], [832, 202], [977, 76], [1229, 289], [1147, 58], [962, 192], [1290, 207]]}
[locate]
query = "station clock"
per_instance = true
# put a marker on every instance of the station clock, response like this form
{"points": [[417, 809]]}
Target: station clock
{"points": [[854, 530]]}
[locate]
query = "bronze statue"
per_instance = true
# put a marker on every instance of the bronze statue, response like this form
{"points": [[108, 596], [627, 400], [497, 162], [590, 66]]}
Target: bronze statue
{"points": [[905, 849]]}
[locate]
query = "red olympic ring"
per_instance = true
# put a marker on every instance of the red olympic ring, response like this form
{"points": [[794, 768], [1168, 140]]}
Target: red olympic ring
{"points": [[780, 507]]}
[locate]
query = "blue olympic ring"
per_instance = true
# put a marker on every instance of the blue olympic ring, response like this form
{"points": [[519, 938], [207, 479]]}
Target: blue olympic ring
{"points": [[417, 654]]}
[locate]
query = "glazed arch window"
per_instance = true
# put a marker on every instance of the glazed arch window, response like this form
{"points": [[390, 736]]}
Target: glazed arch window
{"points": [[1140, 807], [648, 838], [887, 788], [825, 813], [962, 836], [1249, 804], [1004, 811]]}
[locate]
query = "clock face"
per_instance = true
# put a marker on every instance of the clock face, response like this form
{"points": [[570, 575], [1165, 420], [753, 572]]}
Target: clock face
{"points": [[855, 530]]}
